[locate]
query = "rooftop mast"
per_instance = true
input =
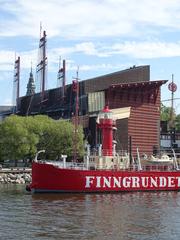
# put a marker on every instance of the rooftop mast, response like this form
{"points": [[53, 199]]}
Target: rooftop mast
{"points": [[16, 82], [75, 86], [42, 65], [62, 77]]}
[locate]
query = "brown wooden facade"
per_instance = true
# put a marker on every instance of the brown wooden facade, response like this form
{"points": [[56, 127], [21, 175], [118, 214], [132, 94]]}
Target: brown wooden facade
{"points": [[143, 125]]}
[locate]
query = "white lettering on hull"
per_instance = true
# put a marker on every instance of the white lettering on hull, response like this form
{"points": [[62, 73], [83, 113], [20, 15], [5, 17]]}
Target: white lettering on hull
{"points": [[162, 182], [98, 183], [89, 181], [134, 182], [171, 182], [107, 182], [153, 182], [117, 182], [178, 180], [126, 182], [144, 182]]}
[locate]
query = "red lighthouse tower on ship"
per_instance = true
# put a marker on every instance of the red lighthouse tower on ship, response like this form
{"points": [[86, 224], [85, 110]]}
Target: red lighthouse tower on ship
{"points": [[108, 157], [106, 124]]}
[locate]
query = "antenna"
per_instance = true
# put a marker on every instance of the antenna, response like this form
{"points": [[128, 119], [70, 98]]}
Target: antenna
{"points": [[77, 94], [31, 66], [40, 29], [75, 86], [59, 74], [59, 62], [77, 73]]}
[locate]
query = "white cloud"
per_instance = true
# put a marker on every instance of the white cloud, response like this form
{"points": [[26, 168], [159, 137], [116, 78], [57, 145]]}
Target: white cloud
{"points": [[139, 50], [146, 50], [6, 60], [87, 48], [114, 31], [88, 18]]}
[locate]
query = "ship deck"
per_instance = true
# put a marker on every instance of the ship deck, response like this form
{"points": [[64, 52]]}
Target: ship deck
{"points": [[92, 166]]}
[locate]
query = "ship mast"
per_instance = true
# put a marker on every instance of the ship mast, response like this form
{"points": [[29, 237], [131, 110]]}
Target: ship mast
{"points": [[61, 78], [172, 87], [16, 83], [42, 65], [75, 86], [172, 103]]}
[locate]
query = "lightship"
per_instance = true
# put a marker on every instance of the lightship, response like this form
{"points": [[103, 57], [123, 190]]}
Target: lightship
{"points": [[108, 171]]}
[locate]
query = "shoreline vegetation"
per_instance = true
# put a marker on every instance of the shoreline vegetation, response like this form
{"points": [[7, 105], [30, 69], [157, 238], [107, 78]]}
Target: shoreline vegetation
{"points": [[22, 137]]}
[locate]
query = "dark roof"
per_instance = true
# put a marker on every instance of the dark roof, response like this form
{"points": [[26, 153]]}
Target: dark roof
{"points": [[120, 72], [133, 74], [138, 84]]}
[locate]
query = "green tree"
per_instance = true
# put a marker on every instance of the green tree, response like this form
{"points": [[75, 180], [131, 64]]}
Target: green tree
{"points": [[40, 125], [15, 139], [22, 137], [57, 139], [165, 113], [178, 122]]}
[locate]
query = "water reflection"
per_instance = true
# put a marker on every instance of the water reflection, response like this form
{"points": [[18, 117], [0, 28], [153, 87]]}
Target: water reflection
{"points": [[138, 215], [116, 216], [50, 197]]}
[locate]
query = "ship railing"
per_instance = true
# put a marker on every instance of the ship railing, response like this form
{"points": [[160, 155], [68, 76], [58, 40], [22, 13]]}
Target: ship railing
{"points": [[67, 165], [93, 166], [163, 168], [70, 165], [151, 168], [135, 168], [96, 152], [74, 165]]}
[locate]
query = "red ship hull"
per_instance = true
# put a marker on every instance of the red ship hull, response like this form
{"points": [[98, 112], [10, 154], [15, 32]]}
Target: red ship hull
{"points": [[50, 178]]}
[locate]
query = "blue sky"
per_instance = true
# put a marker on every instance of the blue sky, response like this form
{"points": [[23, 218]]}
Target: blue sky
{"points": [[99, 36]]}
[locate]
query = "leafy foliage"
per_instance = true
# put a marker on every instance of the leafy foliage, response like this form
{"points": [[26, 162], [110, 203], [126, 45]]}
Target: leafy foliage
{"points": [[15, 139], [178, 122], [166, 114], [22, 137]]}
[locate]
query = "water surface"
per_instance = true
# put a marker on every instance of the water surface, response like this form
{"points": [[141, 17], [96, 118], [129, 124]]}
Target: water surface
{"points": [[126, 216]]}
